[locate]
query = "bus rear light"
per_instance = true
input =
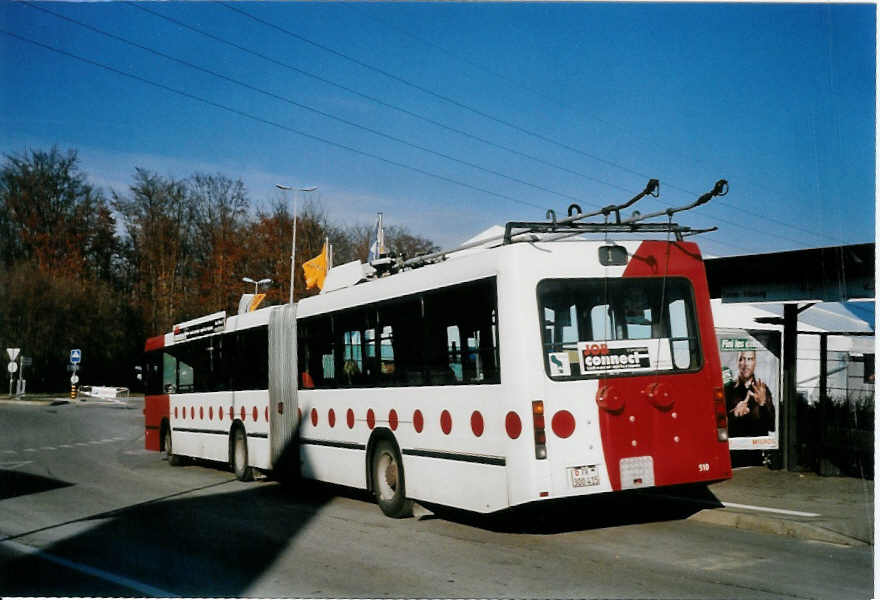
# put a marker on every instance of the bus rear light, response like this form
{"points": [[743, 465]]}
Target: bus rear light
{"points": [[720, 413], [540, 435]]}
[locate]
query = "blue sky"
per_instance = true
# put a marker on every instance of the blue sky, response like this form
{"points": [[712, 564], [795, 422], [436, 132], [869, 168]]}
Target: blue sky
{"points": [[449, 118]]}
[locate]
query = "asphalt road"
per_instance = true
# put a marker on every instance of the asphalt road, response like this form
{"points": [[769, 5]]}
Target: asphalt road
{"points": [[85, 511]]}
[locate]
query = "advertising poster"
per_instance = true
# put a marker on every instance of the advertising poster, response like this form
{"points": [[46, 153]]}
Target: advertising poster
{"points": [[750, 369]]}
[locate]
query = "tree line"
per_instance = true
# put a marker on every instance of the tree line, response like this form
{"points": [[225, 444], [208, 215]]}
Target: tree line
{"points": [[83, 269]]}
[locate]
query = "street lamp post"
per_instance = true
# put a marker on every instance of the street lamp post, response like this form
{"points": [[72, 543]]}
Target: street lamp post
{"points": [[257, 284], [286, 188]]}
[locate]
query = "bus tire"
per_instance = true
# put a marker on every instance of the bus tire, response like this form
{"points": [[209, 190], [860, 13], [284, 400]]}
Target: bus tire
{"points": [[174, 460], [388, 482], [239, 458]]}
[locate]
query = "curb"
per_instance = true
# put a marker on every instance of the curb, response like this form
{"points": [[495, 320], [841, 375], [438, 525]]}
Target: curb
{"points": [[795, 529]]}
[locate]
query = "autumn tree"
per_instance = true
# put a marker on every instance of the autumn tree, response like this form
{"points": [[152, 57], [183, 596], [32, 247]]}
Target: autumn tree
{"points": [[158, 218], [51, 216], [59, 260], [220, 207]]}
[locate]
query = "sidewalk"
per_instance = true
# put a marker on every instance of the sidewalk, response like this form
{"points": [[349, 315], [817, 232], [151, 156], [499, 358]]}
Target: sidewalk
{"points": [[838, 510]]}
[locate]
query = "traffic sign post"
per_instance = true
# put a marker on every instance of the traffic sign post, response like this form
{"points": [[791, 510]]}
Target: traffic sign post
{"points": [[12, 367], [75, 359]]}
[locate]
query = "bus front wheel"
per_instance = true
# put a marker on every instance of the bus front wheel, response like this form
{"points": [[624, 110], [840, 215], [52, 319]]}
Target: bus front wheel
{"points": [[388, 481], [240, 456], [173, 459]]}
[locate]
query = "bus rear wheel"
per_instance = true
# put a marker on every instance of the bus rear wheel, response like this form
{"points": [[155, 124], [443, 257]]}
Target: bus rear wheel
{"points": [[388, 481], [240, 456]]}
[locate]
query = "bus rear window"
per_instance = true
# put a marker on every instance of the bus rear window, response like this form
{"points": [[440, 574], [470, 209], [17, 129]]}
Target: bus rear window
{"points": [[605, 327]]}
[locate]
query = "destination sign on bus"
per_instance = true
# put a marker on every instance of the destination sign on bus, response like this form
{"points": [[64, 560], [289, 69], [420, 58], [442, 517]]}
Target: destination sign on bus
{"points": [[200, 327]]}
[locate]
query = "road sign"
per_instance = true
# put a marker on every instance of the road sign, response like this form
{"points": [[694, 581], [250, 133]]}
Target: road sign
{"points": [[75, 356], [12, 367], [13, 353], [74, 379], [26, 361]]}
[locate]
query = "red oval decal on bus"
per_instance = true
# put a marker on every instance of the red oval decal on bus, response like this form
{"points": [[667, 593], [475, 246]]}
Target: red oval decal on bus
{"points": [[513, 425], [477, 423], [349, 418], [392, 419], [446, 422], [314, 417], [418, 421], [331, 417], [371, 418]]}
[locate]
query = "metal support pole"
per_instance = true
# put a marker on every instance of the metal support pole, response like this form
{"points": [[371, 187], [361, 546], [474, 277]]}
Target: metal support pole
{"points": [[789, 384], [823, 403]]}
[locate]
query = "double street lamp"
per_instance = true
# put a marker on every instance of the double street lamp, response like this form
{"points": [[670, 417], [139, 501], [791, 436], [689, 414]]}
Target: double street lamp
{"points": [[287, 188], [257, 284]]}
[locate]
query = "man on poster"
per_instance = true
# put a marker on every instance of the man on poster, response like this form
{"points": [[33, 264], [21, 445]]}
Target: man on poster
{"points": [[749, 402]]}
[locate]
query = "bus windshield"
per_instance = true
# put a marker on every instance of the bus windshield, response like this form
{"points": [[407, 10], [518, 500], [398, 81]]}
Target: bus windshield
{"points": [[600, 327]]}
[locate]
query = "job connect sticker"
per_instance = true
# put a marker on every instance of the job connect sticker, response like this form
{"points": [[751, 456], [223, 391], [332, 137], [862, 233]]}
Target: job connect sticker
{"points": [[600, 357]]}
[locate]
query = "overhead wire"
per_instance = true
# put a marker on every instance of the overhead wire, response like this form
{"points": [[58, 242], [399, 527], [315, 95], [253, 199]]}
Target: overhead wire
{"points": [[368, 14], [490, 117], [305, 106], [266, 121], [376, 100], [259, 119]]}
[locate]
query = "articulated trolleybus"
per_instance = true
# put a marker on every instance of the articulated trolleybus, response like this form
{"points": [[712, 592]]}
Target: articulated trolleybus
{"points": [[529, 366]]}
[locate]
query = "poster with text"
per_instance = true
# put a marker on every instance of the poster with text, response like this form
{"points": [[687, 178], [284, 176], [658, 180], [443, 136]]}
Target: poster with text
{"points": [[750, 369]]}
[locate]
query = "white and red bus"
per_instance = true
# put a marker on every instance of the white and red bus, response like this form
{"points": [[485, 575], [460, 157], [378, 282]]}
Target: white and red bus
{"points": [[502, 376]]}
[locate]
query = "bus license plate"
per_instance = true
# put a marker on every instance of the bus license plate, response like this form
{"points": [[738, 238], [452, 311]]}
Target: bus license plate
{"points": [[583, 476]]}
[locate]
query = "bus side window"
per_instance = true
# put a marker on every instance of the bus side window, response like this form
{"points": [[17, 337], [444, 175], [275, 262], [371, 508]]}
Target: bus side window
{"points": [[169, 373], [404, 319], [386, 354], [454, 351], [461, 337], [316, 352]]}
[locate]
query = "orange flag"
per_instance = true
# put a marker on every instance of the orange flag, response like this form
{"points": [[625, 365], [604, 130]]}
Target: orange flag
{"points": [[315, 270]]}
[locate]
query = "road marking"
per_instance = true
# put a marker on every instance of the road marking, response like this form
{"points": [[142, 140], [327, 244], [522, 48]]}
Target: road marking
{"points": [[15, 465], [726, 562], [781, 511], [70, 445], [142, 588]]}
